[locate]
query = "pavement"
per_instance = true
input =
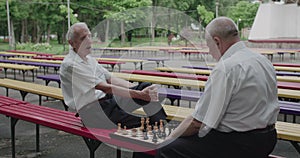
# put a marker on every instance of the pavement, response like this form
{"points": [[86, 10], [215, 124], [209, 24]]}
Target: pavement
{"points": [[58, 144]]}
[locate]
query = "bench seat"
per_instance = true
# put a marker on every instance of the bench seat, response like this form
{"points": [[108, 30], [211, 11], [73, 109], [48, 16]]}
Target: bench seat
{"points": [[14, 67], [60, 120]]}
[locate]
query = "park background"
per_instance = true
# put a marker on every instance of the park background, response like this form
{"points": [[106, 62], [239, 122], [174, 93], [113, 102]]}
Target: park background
{"points": [[41, 25]]}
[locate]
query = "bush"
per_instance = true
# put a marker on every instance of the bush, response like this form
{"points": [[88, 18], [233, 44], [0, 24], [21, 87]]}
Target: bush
{"points": [[41, 46]]}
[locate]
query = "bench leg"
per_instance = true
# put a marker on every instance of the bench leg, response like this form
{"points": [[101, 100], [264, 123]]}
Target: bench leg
{"points": [[13, 123], [37, 138], [92, 145], [118, 153], [23, 94], [23, 72], [65, 106]]}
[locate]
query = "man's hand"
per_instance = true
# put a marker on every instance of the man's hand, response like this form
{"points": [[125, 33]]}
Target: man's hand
{"points": [[149, 93]]}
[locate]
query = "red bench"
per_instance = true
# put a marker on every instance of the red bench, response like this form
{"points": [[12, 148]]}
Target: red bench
{"points": [[287, 64], [59, 120]]}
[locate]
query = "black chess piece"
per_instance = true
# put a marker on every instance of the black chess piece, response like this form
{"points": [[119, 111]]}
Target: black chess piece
{"points": [[145, 135], [154, 139], [163, 133]]}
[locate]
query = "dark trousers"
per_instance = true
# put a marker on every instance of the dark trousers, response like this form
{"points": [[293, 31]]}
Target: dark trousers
{"points": [[222, 145], [109, 111]]}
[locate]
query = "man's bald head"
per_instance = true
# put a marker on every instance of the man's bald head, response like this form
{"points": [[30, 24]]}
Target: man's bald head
{"points": [[222, 27], [221, 34]]}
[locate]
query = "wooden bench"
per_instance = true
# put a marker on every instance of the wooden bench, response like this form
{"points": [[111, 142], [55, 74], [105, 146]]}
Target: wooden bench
{"points": [[59, 120], [112, 64], [184, 70], [134, 61], [29, 52], [45, 66], [177, 83], [14, 67], [291, 69], [37, 60], [24, 88], [48, 78]]}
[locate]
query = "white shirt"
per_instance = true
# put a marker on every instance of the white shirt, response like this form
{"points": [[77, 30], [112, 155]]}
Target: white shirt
{"points": [[240, 94], [79, 78]]}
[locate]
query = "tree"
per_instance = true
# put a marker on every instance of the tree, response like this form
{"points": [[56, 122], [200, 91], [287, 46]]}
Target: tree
{"points": [[120, 11], [244, 12], [205, 17]]}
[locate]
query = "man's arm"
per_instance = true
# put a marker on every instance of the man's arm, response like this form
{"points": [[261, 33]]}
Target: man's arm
{"points": [[147, 94], [120, 82], [189, 126]]}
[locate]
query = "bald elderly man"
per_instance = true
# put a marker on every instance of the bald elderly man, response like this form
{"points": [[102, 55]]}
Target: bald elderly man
{"points": [[235, 116]]}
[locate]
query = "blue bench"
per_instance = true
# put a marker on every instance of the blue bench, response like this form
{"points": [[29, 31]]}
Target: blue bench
{"points": [[48, 78]]}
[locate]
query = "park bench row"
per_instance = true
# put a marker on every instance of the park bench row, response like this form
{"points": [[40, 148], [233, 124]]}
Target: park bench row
{"points": [[287, 108], [67, 122]]}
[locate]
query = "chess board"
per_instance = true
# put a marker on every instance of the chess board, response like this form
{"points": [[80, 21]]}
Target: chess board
{"points": [[138, 138]]}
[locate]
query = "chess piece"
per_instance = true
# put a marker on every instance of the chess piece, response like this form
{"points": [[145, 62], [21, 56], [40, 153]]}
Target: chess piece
{"points": [[134, 132], [145, 135], [119, 130], [147, 121], [155, 127], [154, 139], [124, 132], [142, 124], [149, 129], [163, 133]]}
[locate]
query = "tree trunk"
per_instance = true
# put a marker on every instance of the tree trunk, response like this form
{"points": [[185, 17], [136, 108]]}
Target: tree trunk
{"points": [[48, 33], [38, 37], [34, 32], [153, 24], [26, 37], [106, 31], [200, 30], [23, 31], [122, 33], [13, 41]]}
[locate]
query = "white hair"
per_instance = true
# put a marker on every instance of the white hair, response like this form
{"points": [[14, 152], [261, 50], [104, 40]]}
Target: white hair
{"points": [[70, 33], [223, 27]]}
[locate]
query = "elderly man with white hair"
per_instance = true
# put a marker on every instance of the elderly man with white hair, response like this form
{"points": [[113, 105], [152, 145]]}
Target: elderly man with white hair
{"points": [[100, 99], [235, 116]]}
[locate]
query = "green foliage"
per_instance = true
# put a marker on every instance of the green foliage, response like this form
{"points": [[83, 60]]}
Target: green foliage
{"points": [[34, 47], [120, 10], [205, 15], [245, 11]]}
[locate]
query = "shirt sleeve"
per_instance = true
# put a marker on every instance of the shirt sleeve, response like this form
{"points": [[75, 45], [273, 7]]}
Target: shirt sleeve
{"points": [[212, 105]]}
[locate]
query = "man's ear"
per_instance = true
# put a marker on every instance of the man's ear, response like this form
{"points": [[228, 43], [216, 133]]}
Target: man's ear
{"points": [[70, 42], [217, 40]]}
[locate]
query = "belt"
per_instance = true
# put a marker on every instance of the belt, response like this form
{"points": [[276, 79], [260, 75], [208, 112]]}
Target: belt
{"points": [[262, 130]]}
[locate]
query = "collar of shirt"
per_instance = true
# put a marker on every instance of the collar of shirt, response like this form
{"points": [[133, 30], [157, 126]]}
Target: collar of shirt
{"points": [[77, 58], [233, 49]]}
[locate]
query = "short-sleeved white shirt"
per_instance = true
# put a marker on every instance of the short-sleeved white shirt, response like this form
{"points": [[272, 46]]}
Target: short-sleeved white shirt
{"points": [[240, 94], [79, 78]]}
